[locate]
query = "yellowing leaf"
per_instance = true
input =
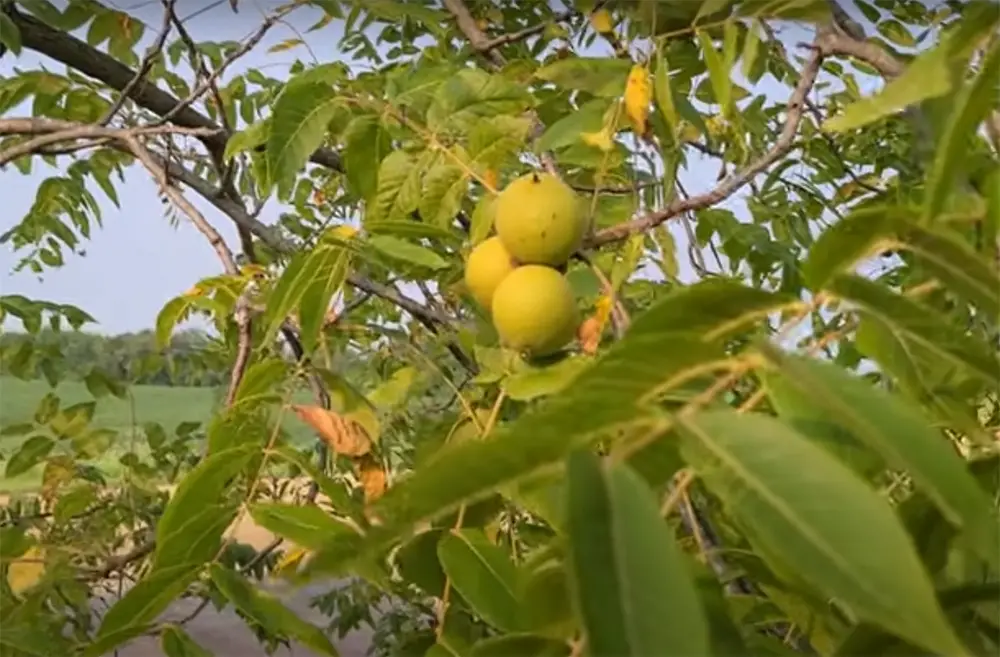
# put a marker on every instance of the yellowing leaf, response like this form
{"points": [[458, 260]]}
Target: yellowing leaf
{"points": [[601, 139], [341, 433], [490, 180], [638, 95], [193, 291], [601, 21], [26, 571]]}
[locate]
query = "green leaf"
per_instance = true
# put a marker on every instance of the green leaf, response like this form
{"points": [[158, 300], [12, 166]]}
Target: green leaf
{"points": [[931, 74], [410, 228], [175, 642], [751, 51], [298, 126], [919, 373], [718, 73], [923, 325], [634, 594], [494, 143], [664, 93], [168, 318], [780, 487], [676, 335], [484, 574], [567, 130], [307, 526], [392, 392], [10, 34], [545, 595], [268, 611], [244, 140], [404, 251], [472, 95], [399, 186], [31, 452], [418, 562], [906, 440], [290, 288], [941, 252], [330, 271], [482, 219], [444, 188], [801, 412], [971, 106], [366, 145], [260, 380], [522, 645], [533, 382], [601, 76], [193, 520], [896, 32], [141, 605]]}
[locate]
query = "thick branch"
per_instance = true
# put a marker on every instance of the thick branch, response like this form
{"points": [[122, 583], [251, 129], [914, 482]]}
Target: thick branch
{"points": [[731, 184], [74, 53]]}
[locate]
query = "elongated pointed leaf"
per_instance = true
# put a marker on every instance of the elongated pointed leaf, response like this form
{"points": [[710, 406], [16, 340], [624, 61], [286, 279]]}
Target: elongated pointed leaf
{"points": [[307, 526], [971, 106], [834, 531], [904, 437], [142, 604], [919, 323], [634, 595], [484, 574], [920, 374], [866, 231], [193, 509], [267, 610], [298, 125], [178, 643], [332, 264]]}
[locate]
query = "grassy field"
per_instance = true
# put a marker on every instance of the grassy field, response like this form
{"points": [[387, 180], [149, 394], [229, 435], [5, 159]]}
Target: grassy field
{"points": [[165, 405]]}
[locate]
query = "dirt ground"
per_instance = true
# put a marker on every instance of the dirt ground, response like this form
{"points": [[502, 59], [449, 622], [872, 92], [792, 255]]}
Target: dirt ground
{"points": [[224, 634]]}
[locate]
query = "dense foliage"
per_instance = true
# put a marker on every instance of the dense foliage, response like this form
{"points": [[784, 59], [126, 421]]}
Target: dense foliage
{"points": [[775, 433], [132, 357]]}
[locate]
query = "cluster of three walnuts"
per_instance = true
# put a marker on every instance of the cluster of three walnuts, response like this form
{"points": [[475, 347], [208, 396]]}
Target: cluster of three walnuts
{"points": [[516, 274]]}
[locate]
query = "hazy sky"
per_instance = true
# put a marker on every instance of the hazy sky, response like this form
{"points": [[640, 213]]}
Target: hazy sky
{"points": [[137, 261]]}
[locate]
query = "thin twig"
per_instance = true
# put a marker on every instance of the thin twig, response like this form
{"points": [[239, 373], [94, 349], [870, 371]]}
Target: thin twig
{"points": [[734, 182], [145, 66]]}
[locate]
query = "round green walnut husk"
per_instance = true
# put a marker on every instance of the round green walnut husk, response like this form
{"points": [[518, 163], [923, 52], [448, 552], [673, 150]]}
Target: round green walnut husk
{"points": [[540, 220], [534, 311], [488, 264]]}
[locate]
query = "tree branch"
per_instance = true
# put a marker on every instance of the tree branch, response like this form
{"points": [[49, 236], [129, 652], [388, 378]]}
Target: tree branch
{"points": [[74, 53], [731, 184]]}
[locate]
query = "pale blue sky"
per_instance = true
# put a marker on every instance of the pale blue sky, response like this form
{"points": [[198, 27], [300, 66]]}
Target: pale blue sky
{"points": [[138, 261]]}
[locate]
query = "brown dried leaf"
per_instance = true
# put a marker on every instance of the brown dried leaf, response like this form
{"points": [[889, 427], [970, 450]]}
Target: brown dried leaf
{"points": [[373, 478], [589, 335], [342, 434]]}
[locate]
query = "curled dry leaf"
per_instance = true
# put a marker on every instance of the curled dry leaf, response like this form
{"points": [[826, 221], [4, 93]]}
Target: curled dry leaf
{"points": [[589, 335], [330, 318], [372, 476], [344, 436]]}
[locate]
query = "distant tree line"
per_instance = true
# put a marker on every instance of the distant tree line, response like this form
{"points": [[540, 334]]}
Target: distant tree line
{"points": [[190, 360]]}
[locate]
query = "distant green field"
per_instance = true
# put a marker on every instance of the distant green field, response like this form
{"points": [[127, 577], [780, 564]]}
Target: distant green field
{"points": [[165, 405]]}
